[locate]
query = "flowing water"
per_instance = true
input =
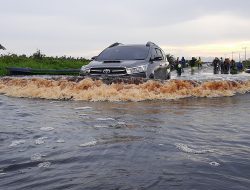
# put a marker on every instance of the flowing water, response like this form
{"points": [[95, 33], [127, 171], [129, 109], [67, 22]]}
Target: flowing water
{"points": [[184, 134]]}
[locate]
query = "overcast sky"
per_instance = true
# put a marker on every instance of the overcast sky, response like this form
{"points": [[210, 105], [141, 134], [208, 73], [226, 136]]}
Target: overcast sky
{"points": [[85, 27]]}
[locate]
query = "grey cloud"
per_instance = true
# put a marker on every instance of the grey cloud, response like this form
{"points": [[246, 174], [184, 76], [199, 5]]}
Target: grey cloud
{"points": [[129, 12], [59, 26]]}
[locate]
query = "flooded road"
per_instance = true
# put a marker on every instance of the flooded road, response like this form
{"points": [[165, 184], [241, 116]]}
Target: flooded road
{"points": [[187, 143]]}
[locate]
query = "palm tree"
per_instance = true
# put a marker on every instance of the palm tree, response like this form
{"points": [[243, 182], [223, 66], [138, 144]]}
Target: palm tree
{"points": [[1, 47]]}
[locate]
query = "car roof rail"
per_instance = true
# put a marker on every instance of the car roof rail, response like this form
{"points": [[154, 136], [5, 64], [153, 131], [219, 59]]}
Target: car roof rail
{"points": [[150, 43], [115, 44]]}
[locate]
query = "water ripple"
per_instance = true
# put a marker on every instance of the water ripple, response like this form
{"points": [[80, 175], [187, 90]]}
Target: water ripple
{"points": [[16, 143]]}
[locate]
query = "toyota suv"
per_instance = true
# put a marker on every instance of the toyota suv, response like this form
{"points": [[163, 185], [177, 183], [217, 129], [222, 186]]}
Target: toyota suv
{"points": [[119, 60]]}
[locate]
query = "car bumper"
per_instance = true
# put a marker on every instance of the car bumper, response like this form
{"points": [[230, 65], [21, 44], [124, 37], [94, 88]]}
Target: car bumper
{"points": [[141, 75]]}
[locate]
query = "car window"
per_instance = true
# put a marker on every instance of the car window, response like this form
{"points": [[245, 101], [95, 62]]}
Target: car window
{"points": [[164, 55], [124, 53], [159, 53]]}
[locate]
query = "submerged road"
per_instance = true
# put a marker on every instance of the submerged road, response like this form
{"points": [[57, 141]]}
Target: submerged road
{"points": [[190, 143]]}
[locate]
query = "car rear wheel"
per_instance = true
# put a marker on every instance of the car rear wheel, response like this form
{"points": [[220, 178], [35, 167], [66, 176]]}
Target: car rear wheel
{"points": [[151, 76]]}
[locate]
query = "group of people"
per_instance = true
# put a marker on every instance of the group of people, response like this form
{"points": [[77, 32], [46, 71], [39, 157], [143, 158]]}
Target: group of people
{"points": [[180, 65], [226, 66]]}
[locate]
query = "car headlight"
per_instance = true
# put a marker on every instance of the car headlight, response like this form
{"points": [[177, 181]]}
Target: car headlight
{"points": [[139, 69], [85, 70]]}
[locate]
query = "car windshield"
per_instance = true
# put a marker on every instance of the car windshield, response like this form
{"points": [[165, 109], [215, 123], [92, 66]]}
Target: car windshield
{"points": [[124, 53]]}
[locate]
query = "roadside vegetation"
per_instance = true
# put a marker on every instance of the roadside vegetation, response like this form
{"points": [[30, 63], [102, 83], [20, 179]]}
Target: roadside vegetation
{"points": [[246, 63], [39, 61]]}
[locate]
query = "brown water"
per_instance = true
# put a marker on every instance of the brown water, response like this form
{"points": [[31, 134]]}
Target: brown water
{"points": [[96, 90]]}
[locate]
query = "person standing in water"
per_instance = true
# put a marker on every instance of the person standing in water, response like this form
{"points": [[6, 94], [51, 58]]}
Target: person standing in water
{"points": [[233, 67], [178, 67], [222, 66], [199, 63], [216, 65], [226, 66], [192, 64], [183, 63], [239, 66]]}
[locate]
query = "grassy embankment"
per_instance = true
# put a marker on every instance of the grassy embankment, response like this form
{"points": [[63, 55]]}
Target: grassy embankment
{"points": [[39, 61]]}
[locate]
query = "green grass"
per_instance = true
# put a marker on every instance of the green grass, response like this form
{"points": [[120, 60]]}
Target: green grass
{"points": [[38, 61]]}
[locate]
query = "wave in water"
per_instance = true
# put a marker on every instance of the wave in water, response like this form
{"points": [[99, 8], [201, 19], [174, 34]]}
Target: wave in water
{"points": [[97, 90], [186, 149]]}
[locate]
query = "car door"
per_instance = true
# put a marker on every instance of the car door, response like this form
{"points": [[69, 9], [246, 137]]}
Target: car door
{"points": [[159, 64]]}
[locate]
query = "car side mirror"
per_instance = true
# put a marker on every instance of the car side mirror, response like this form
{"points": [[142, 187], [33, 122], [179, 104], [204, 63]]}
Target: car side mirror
{"points": [[93, 58], [156, 58]]}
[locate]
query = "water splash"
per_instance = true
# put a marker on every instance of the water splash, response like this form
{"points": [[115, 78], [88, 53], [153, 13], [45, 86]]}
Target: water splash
{"points": [[97, 90], [186, 149]]}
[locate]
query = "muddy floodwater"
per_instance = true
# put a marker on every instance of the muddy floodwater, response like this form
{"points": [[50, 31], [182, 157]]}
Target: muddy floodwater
{"points": [[196, 139]]}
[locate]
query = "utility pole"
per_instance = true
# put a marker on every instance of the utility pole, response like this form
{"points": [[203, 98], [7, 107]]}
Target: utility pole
{"points": [[245, 48], [232, 55], [239, 58]]}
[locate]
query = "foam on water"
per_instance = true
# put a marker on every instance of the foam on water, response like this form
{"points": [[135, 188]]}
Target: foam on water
{"points": [[105, 119], [83, 115], [60, 141], [40, 140], [121, 123], [101, 126], [216, 164], [44, 165], [91, 143], [36, 157], [16, 143], [52, 102], [186, 149], [83, 108], [96, 90], [47, 128]]}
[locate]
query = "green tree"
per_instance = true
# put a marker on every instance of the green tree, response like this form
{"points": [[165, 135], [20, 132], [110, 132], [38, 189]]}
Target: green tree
{"points": [[38, 55], [1, 47]]}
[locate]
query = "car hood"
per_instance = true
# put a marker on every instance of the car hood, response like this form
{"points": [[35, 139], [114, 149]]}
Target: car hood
{"points": [[127, 64]]}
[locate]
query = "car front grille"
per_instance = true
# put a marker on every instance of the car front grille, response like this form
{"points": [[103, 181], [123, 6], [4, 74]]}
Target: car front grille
{"points": [[108, 71]]}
